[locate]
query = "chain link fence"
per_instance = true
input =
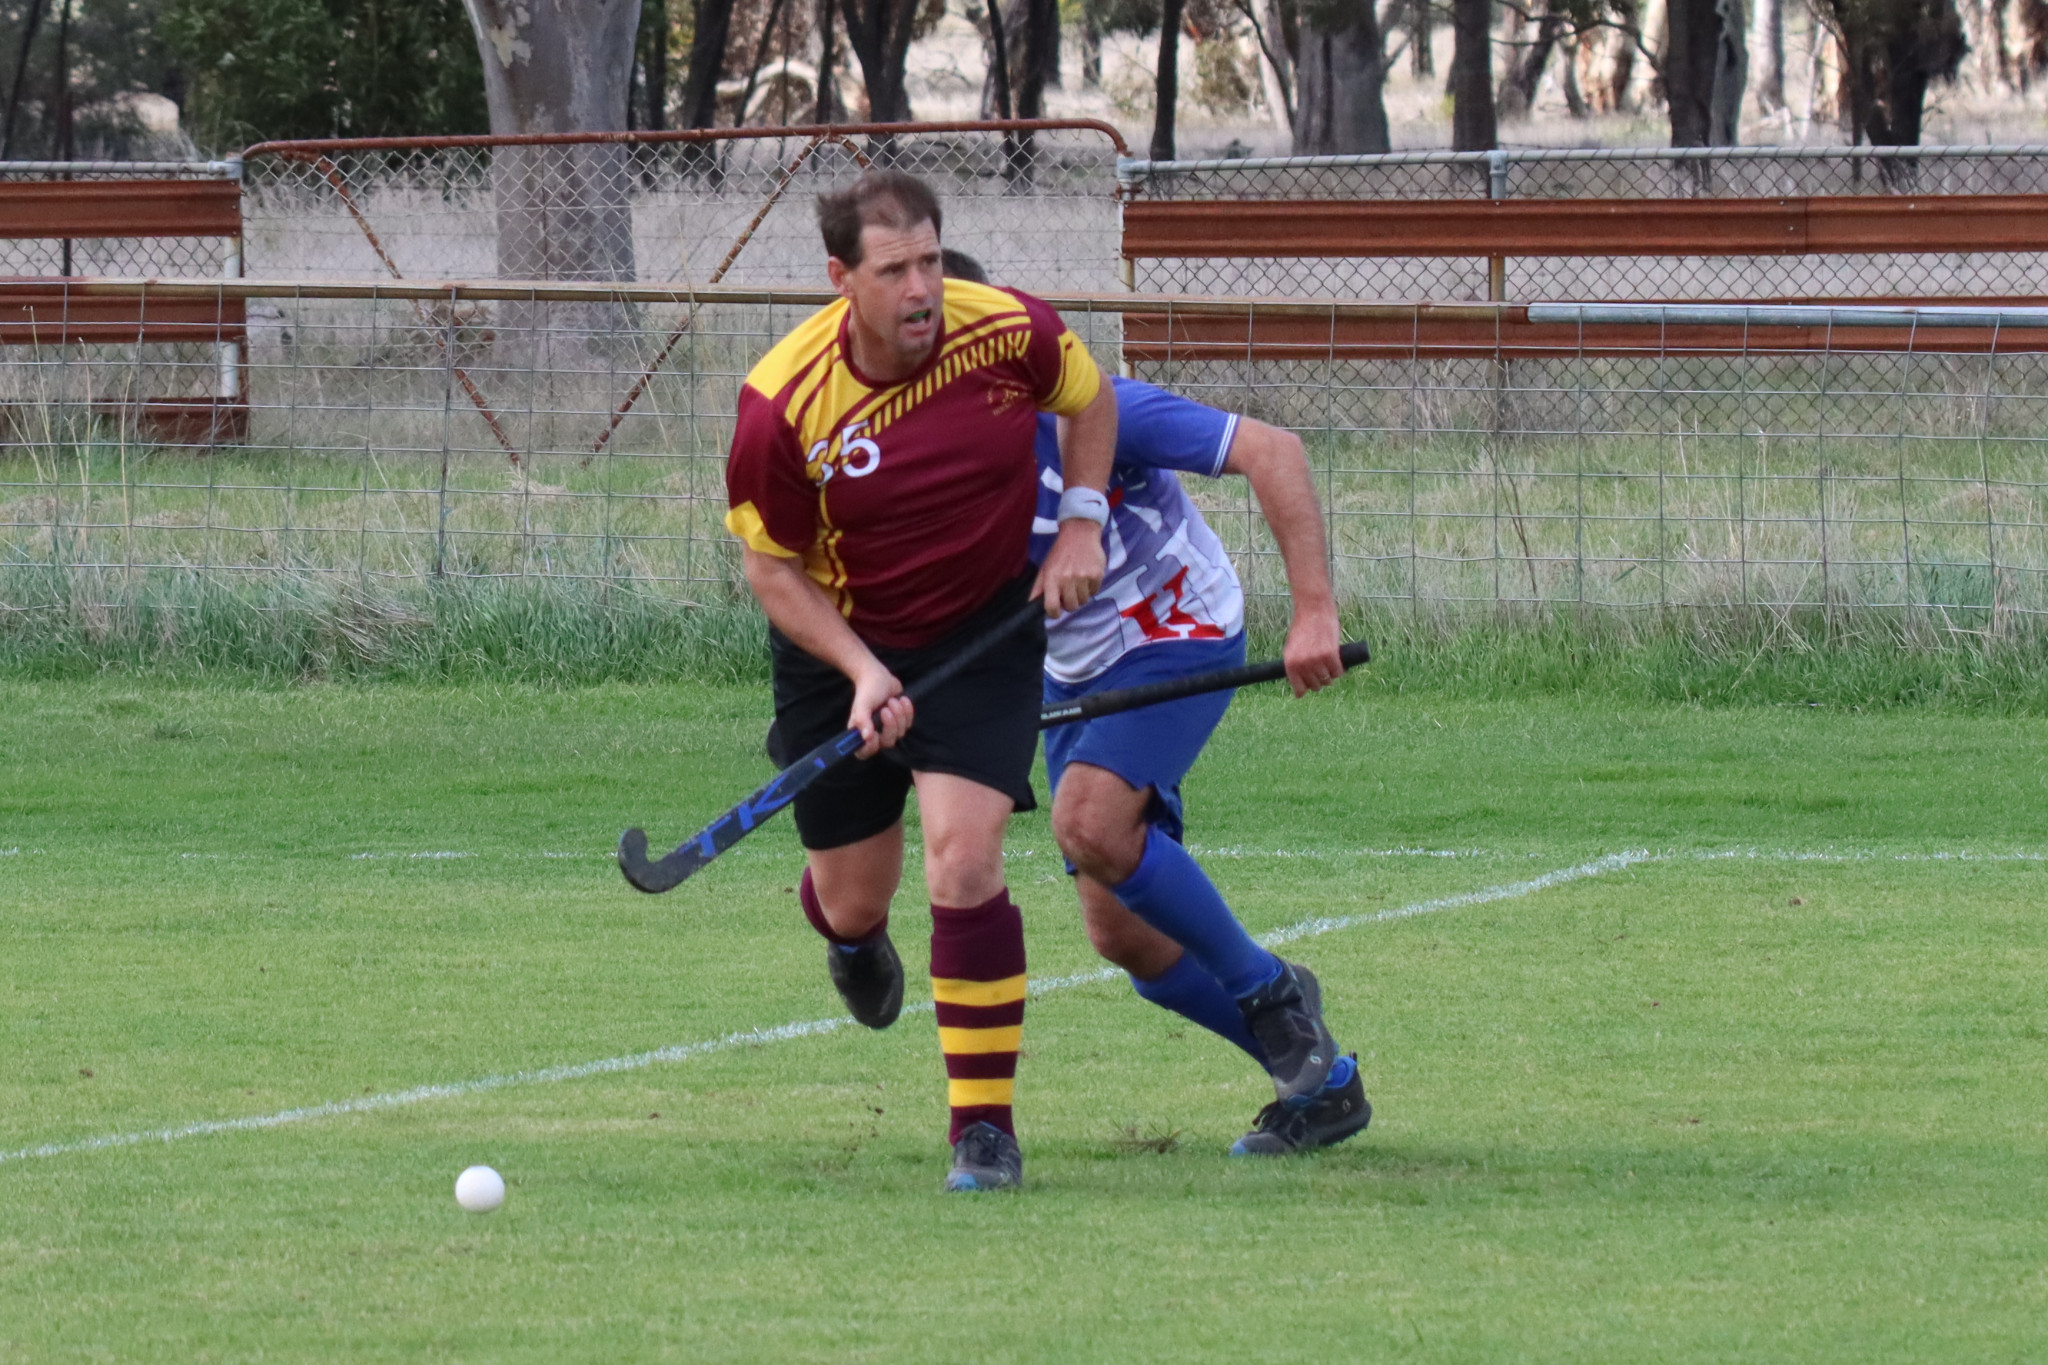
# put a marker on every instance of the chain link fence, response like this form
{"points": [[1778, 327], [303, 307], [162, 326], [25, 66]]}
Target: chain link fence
{"points": [[1683, 474], [1036, 203], [1041, 205], [33, 243], [1987, 276], [1656, 271], [1600, 173]]}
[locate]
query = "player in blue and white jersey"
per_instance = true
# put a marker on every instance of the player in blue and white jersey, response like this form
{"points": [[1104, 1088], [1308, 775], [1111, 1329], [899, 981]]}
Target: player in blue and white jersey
{"points": [[1171, 605]]}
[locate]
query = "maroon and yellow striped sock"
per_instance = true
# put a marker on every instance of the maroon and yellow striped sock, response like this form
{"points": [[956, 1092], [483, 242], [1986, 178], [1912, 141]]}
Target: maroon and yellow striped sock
{"points": [[978, 989]]}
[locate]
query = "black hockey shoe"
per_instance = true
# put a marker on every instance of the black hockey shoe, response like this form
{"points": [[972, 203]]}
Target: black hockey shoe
{"points": [[870, 980], [1286, 1016], [1339, 1110], [985, 1158]]}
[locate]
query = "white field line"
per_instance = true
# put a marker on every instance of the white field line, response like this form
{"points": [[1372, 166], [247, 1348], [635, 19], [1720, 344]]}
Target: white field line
{"points": [[1613, 862], [398, 1099]]}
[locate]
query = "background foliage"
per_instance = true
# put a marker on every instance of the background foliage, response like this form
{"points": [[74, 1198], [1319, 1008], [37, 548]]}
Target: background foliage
{"points": [[326, 68]]}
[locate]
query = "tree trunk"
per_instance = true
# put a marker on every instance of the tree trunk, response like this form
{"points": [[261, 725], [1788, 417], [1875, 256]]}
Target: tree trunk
{"points": [[1047, 15], [1287, 17], [739, 118], [60, 79], [1689, 59], [563, 212], [1275, 45], [1890, 56], [879, 33], [1040, 65], [1910, 58], [1166, 90], [1473, 125], [708, 37], [1421, 44], [1004, 33], [1731, 75], [1041, 55], [657, 64], [1770, 46], [28, 37], [1338, 109], [827, 109], [1519, 82], [550, 69], [1611, 88]]}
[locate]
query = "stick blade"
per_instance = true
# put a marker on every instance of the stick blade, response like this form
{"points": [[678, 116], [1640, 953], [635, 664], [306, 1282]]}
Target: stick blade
{"points": [[645, 874]]}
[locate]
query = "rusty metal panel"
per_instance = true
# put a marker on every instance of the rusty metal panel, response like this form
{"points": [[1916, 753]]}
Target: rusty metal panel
{"points": [[1989, 222], [121, 208], [1550, 227], [1528, 227], [1186, 338], [54, 315]]}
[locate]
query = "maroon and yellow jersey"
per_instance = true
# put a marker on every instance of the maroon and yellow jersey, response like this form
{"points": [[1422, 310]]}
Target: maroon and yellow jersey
{"points": [[909, 503]]}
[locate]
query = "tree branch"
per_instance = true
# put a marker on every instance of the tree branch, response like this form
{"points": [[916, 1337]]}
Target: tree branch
{"points": [[1244, 7]]}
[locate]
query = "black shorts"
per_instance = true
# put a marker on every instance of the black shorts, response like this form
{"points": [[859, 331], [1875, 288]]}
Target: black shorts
{"points": [[983, 725]]}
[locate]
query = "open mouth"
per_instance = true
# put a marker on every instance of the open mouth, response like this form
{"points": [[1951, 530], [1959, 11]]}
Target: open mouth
{"points": [[919, 318]]}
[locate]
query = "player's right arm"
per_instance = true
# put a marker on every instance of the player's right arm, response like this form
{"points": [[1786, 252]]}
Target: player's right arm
{"points": [[1277, 468], [799, 609], [773, 511], [1167, 431]]}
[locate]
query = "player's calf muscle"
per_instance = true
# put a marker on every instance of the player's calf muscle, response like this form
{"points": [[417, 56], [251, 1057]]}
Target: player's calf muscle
{"points": [[856, 882], [1120, 937]]}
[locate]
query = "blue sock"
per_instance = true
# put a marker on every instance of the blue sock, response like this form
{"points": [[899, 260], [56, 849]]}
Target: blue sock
{"points": [[1170, 892], [1198, 997]]}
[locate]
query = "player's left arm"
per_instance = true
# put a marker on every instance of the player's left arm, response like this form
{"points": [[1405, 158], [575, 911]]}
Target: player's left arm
{"points": [[1076, 562], [1073, 386], [1277, 468]]}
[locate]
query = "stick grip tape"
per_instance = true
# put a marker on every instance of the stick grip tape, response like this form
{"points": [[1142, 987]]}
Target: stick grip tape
{"points": [[1174, 689]]}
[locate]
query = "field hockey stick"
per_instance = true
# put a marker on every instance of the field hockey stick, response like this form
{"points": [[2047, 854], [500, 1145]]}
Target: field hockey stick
{"points": [[1151, 694], [749, 815]]}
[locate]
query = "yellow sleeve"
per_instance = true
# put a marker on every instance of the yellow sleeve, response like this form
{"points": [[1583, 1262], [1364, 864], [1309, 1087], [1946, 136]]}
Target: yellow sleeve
{"points": [[745, 522], [1080, 378]]}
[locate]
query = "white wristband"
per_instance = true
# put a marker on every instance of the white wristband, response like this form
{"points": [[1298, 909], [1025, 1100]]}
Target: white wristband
{"points": [[1084, 504]]}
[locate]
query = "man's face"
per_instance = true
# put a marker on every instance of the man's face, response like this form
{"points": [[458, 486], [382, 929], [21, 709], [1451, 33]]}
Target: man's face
{"points": [[898, 291]]}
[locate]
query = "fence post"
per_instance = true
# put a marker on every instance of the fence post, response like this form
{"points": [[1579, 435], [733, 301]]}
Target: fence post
{"points": [[1984, 472], [231, 269], [1127, 184], [1497, 188], [447, 418], [1907, 616]]}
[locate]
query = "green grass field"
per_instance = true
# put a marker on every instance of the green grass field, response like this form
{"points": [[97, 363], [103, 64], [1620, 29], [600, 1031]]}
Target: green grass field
{"points": [[1773, 1090]]}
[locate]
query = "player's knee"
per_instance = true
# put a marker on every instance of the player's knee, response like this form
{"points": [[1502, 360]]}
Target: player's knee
{"points": [[961, 869], [1103, 842]]}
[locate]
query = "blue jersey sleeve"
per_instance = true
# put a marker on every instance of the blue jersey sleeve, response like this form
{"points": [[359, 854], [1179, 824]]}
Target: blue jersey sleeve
{"points": [[1162, 430]]}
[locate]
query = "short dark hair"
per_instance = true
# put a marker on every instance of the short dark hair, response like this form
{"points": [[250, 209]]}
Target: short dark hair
{"points": [[958, 265], [888, 198]]}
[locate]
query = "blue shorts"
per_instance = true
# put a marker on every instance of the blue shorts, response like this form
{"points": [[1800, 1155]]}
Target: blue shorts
{"points": [[1153, 746]]}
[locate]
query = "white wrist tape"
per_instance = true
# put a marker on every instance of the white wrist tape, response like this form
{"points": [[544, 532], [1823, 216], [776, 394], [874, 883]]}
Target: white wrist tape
{"points": [[1085, 504]]}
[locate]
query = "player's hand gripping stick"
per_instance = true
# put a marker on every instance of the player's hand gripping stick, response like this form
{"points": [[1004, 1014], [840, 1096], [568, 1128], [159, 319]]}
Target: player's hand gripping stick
{"points": [[736, 824], [1151, 694]]}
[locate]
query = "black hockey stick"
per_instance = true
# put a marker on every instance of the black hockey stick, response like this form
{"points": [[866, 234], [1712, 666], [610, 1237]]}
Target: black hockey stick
{"points": [[1151, 694], [736, 824]]}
